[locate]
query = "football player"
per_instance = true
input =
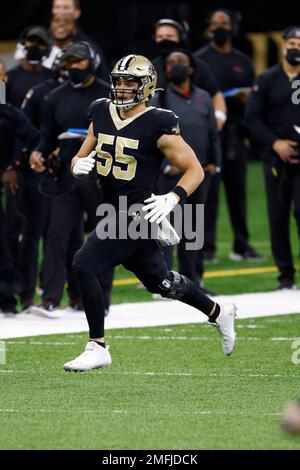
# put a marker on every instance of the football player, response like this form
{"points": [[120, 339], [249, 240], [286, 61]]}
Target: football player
{"points": [[131, 140]]}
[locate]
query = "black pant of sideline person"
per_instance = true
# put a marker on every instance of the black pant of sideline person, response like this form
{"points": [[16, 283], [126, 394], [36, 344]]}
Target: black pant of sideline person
{"points": [[34, 209], [234, 166], [283, 191], [8, 300], [63, 240]]}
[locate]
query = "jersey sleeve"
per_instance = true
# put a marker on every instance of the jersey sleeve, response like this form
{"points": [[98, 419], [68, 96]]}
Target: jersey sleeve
{"points": [[95, 110], [95, 107], [168, 123], [29, 106]]}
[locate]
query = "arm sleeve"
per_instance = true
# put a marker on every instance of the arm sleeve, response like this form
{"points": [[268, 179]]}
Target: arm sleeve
{"points": [[25, 130], [28, 106], [205, 79], [255, 111], [26, 135], [49, 129]]}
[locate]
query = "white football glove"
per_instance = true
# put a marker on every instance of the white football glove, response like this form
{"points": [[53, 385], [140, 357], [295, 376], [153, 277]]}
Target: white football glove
{"points": [[84, 166], [159, 206]]}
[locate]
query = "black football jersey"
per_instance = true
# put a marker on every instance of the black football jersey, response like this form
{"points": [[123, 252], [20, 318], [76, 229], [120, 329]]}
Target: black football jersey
{"points": [[127, 155]]}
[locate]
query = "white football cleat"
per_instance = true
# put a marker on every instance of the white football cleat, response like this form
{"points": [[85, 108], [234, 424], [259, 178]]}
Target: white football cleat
{"points": [[225, 325], [93, 357]]}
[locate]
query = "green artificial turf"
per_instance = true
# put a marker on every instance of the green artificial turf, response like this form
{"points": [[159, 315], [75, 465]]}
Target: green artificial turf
{"points": [[168, 388]]}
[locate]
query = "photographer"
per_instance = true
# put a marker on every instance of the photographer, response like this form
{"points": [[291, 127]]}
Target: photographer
{"points": [[271, 115]]}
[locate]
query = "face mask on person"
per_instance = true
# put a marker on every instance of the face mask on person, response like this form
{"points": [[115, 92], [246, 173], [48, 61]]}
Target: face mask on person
{"points": [[221, 36], [78, 76], [178, 73], [34, 54], [292, 56], [166, 46]]}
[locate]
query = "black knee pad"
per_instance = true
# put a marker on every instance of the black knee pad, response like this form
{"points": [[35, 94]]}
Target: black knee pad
{"points": [[175, 286]]}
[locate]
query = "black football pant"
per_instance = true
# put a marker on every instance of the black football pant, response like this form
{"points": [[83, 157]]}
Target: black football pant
{"points": [[234, 166], [282, 181], [143, 257], [7, 273], [65, 236]]}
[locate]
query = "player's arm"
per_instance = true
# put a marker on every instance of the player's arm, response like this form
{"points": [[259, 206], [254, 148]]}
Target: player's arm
{"points": [[84, 160], [179, 154]]}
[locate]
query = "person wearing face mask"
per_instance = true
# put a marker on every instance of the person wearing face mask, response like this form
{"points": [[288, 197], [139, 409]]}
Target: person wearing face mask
{"points": [[272, 116], [169, 35], [198, 126], [35, 100], [30, 202], [66, 109], [14, 127], [37, 44], [233, 70]]}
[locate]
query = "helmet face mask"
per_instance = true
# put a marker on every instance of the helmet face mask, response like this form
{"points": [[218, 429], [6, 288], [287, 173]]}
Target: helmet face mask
{"points": [[132, 68]]}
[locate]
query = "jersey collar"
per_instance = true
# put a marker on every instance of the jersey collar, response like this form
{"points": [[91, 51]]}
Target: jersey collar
{"points": [[121, 123]]}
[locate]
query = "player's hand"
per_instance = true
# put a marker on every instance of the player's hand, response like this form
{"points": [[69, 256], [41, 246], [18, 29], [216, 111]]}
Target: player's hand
{"points": [[36, 161], [84, 165], [285, 149], [160, 206], [10, 180]]}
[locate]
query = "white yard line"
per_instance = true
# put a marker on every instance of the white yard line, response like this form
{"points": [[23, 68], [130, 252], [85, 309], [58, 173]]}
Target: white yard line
{"points": [[148, 338], [158, 412], [41, 343], [157, 313]]}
